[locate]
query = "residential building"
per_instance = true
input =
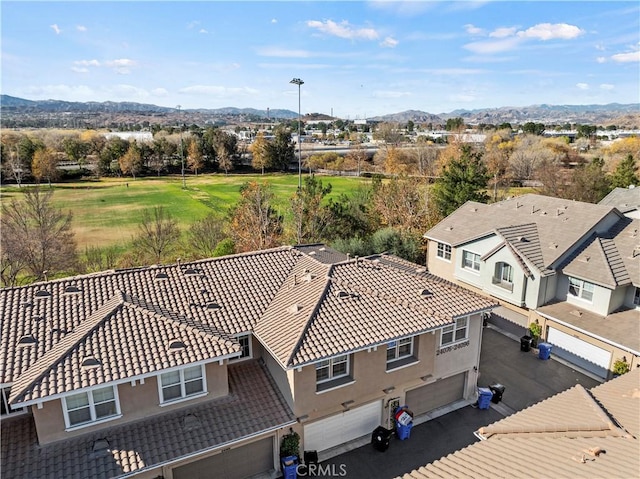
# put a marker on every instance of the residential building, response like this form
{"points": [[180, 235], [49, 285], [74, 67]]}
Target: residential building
{"points": [[577, 433], [572, 267], [626, 200], [187, 370]]}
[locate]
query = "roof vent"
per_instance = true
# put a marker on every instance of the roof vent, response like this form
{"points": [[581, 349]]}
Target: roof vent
{"points": [[309, 277], [72, 289], [161, 276], [421, 270], [176, 345], [342, 294], [190, 421], [295, 308], [27, 340], [213, 305], [26, 303], [312, 253], [585, 258], [43, 293], [577, 313], [100, 446], [473, 210], [90, 362], [425, 293], [522, 239], [553, 246], [190, 272], [449, 228], [544, 213], [322, 249]]}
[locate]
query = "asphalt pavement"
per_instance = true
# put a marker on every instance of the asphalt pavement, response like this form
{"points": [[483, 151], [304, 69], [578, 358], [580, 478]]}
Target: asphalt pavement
{"points": [[526, 379]]}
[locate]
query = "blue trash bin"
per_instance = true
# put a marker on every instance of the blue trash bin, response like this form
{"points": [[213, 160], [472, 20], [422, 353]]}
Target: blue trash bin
{"points": [[403, 431], [544, 350], [289, 467], [484, 398]]}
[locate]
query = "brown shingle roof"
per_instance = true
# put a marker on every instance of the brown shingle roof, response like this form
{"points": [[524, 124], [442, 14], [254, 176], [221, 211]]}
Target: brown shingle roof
{"points": [[575, 433], [254, 405], [550, 215]]}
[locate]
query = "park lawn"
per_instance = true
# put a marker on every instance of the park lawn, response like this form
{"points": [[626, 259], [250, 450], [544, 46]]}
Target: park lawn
{"points": [[107, 212]]}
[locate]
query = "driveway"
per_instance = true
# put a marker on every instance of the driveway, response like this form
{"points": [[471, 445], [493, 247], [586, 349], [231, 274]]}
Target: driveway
{"points": [[527, 380]]}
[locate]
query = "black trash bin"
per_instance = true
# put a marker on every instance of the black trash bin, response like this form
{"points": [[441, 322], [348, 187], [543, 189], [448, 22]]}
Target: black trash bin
{"points": [[380, 438], [525, 343], [498, 391]]}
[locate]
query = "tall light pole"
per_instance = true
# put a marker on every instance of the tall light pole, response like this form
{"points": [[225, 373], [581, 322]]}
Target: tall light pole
{"points": [[184, 181], [297, 81]]}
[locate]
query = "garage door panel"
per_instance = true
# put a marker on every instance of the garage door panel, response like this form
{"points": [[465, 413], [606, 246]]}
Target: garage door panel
{"points": [[343, 427], [579, 352], [237, 463], [432, 396]]}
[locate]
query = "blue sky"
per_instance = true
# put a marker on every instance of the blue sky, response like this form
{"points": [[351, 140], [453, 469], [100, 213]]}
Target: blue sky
{"points": [[358, 59]]}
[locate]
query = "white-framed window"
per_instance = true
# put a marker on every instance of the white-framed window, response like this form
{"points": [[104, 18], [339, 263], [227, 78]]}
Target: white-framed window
{"points": [[182, 383], [579, 288], [444, 251], [636, 297], [90, 406], [456, 332], [245, 347], [503, 275], [331, 369], [5, 409], [470, 260], [400, 349]]}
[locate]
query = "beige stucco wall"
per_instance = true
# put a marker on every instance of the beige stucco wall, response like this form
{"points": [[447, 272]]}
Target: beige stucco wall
{"points": [[438, 266], [136, 402], [368, 370]]}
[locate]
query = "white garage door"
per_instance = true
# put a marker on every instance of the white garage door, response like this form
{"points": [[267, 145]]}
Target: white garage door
{"points": [[341, 428], [579, 352]]}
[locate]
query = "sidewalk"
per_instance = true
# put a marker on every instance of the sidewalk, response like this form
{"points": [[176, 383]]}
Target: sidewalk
{"points": [[527, 380]]}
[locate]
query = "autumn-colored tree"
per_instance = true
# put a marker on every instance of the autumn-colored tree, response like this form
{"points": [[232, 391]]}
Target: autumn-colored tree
{"points": [[204, 235], [158, 235], [131, 162], [36, 238], [44, 165], [224, 158], [358, 155], [259, 154], [309, 215], [589, 183], [255, 225], [498, 149], [529, 151], [195, 159]]}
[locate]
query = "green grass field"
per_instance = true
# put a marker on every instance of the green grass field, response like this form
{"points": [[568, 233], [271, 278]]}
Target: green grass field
{"points": [[107, 212]]}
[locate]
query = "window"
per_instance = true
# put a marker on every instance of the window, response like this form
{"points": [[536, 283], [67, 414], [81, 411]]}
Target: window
{"points": [[636, 297], [90, 406], [470, 260], [454, 332], [182, 383], [400, 349], [580, 289], [5, 409], [444, 251], [245, 347], [333, 368], [503, 276]]}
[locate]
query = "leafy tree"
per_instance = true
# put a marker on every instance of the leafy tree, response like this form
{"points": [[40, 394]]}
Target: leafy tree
{"points": [[454, 124], [44, 165], [588, 182], [224, 248], [281, 151], [36, 238], [586, 131], [113, 150], [309, 215], [158, 234], [259, 153], [351, 215], [255, 225], [533, 128], [99, 259], [464, 179], [75, 149], [392, 241], [162, 149], [625, 173], [389, 133], [204, 236], [131, 162], [195, 159], [13, 165], [358, 155]]}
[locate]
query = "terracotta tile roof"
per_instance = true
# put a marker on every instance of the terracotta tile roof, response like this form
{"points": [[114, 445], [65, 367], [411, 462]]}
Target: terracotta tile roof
{"points": [[621, 327], [254, 405], [573, 434], [127, 338], [359, 304], [477, 220]]}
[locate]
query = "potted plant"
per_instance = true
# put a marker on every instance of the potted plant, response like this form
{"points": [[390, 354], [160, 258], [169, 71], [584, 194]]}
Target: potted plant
{"points": [[620, 366], [535, 330], [290, 453]]}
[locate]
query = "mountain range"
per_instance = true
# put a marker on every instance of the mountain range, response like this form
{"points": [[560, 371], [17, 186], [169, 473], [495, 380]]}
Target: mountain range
{"points": [[615, 113]]}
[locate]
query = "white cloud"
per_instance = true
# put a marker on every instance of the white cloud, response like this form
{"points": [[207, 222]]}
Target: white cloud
{"points": [[473, 30], [582, 86], [193, 24], [601, 59], [343, 30], [626, 57], [551, 31], [402, 8], [81, 28], [606, 86], [202, 30], [55, 28], [389, 42], [161, 92], [87, 63], [282, 52], [79, 69], [493, 46], [503, 32], [274, 20], [121, 65]]}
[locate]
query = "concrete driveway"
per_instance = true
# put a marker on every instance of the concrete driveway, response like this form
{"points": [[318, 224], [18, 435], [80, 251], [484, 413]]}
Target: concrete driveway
{"points": [[527, 380]]}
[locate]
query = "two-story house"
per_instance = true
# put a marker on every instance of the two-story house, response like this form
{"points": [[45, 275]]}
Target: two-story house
{"points": [[188, 370], [572, 267]]}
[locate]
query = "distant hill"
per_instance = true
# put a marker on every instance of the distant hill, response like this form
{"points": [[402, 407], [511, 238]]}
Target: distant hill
{"points": [[614, 113]]}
